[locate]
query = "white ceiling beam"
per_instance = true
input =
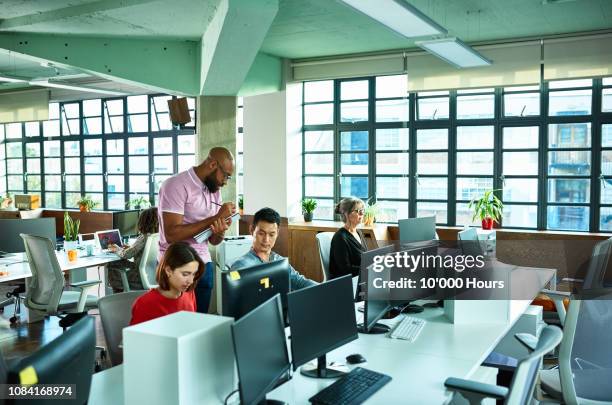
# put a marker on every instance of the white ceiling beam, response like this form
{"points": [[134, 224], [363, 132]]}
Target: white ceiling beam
{"points": [[67, 12]]}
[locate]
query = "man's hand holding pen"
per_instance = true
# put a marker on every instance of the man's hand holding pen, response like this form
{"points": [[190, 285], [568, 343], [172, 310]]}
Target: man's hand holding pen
{"points": [[223, 220]]}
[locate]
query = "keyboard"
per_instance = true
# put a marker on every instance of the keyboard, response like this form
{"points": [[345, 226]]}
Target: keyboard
{"points": [[352, 389], [408, 329]]}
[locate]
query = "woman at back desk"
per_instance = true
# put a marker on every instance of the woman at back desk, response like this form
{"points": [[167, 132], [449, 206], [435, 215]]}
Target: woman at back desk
{"points": [[348, 242]]}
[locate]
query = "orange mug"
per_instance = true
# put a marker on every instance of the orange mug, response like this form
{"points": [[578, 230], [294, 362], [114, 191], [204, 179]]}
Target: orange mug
{"points": [[72, 255]]}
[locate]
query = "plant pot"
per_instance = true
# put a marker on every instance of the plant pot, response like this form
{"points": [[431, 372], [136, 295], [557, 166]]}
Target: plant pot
{"points": [[487, 223], [308, 217], [70, 245], [83, 208], [241, 211], [368, 221]]}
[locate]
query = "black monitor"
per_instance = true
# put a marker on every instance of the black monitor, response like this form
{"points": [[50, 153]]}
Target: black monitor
{"points": [[373, 309], [261, 351], [367, 258], [126, 222], [11, 228], [243, 290], [68, 359], [322, 319]]}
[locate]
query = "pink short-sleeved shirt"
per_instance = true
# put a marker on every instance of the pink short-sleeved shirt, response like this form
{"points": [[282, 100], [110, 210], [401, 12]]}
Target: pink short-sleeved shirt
{"points": [[185, 194]]}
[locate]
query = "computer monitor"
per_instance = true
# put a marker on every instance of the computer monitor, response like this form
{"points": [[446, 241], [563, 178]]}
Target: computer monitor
{"points": [[126, 222], [373, 309], [11, 228], [417, 229], [68, 359], [243, 290], [322, 318], [107, 238], [261, 351], [367, 258]]}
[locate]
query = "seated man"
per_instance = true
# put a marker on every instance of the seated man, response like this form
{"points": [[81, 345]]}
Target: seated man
{"points": [[264, 228]]}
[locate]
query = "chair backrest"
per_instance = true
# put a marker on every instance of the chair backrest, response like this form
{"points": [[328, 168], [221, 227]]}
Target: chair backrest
{"points": [[148, 263], [598, 265], [525, 376], [468, 241], [3, 371], [585, 355], [324, 242], [115, 314], [47, 282]]}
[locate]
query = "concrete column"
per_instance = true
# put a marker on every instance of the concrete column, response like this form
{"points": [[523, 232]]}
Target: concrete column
{"points": [[216, 126]]}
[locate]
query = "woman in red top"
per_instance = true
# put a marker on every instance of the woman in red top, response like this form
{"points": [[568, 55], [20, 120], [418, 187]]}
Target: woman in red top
{"points": [[177, 275]]}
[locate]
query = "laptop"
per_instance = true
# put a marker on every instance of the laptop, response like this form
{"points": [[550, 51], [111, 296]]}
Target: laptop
{"points": [[110, 237]]}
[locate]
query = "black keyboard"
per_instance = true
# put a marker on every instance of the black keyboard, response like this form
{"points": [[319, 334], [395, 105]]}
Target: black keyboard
{"points": [[352, 389]]}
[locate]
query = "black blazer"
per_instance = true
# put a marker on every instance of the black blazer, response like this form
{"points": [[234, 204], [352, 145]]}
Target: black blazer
{"points": [[345, 253]]}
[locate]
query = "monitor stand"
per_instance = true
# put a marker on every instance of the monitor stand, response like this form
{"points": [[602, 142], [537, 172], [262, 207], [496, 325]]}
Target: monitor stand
{"points": [[322, 370], [377, 329]]}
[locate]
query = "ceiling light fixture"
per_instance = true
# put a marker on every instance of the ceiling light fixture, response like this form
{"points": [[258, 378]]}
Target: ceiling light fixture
{"points": [[455, 52], [47, 83], [398, 15]]}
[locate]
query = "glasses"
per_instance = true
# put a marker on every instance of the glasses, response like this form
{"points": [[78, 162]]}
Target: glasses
{"points": [[227, 176], [360, 211]]}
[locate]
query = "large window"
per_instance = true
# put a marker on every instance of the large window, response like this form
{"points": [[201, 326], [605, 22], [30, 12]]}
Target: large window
{"points": [[110, 149], [546, 150]]}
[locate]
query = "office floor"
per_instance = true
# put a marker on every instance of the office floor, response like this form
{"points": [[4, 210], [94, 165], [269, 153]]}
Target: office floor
{"points": [[22, 339]]}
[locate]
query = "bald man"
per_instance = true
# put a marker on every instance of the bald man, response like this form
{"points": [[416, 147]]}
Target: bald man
{"points": [[190, 202]]}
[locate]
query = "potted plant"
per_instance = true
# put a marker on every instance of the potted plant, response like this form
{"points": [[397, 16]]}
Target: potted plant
{"points": [[488, 208], [6, 201], [71, 232], [308, 206], [86, 204], [241, 205], [139, 202], [369, 213]]}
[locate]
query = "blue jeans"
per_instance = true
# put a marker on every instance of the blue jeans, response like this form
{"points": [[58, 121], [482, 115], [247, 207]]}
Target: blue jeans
{"points": [[203, 290]]}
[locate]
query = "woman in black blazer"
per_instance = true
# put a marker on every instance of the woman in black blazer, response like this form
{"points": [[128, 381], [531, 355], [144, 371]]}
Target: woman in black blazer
{"points": [[348, 242]]}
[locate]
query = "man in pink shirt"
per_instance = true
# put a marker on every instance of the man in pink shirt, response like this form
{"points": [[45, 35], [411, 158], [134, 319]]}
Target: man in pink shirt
{"points": [[190, 202]]}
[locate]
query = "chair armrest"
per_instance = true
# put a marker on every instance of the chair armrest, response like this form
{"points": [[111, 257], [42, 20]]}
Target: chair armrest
{"points": [[473, 389], [528, 340], [84, 286]]}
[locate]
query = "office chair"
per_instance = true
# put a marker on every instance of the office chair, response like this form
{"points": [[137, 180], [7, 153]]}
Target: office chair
{"points": [[148, 263], [469, 243], [585, 355], [324, 242], [524, 379], [45, 291], [594, 277], [115, 314]]}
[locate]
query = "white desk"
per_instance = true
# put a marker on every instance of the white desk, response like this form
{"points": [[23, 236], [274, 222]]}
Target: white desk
{"points": [[18, 267], [418, 369]]}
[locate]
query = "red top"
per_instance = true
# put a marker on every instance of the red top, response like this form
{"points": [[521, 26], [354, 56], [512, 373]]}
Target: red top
{"points": [[153, 305]]}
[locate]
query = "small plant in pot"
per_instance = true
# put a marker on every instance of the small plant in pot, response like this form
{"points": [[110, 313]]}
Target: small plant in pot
{"points": [[6, 201], [86, 204], [370, 212], [241, 205], [488, 208], [71, 232], [139, 202], [308, 207]]}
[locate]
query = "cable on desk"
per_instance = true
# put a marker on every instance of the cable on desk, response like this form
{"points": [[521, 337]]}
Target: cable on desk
{"points": [[229, 396]]}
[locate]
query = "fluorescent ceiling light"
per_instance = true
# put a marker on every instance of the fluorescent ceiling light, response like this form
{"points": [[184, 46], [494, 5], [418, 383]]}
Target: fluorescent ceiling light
{"points": [[454, 52], [398, 15], [47, 83], [11, 79]]}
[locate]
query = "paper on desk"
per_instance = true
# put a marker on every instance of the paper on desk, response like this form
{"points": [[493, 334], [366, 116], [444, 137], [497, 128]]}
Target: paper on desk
{"points": [[207, 233]]}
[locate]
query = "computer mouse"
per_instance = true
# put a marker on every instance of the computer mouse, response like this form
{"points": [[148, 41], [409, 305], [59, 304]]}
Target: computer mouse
{"points": [[355, 359]]}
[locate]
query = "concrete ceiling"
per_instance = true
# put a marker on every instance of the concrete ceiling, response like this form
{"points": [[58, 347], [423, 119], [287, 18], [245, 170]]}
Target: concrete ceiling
{"points": [[221, 37]]}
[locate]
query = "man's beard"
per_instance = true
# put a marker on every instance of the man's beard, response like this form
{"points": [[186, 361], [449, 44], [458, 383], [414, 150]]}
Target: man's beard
{"points": [[211, 184]]}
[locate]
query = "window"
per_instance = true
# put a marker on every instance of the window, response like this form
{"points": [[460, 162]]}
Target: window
{"points": [[546, 150], [83, 149]]}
